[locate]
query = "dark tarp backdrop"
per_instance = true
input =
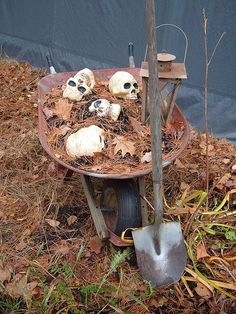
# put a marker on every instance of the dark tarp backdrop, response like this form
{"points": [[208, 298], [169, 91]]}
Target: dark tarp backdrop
{"points": [[95, 34]]}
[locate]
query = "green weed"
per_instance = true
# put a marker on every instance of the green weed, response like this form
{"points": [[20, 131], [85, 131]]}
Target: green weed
{"points": [[11, 306]]}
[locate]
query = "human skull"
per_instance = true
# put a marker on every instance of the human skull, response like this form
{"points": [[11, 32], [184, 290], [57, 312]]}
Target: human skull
{"points": [[85, 142], [80, 85], [104, 108], [123, 84], [85, 76]]}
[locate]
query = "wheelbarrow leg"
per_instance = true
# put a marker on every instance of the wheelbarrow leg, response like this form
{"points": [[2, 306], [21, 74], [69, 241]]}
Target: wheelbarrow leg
{"points": [[95, 210]]}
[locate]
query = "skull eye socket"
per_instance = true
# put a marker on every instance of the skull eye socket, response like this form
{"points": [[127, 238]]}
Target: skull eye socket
{"points": [[81, 89], [135, 85], [72, 83], [127, 85], [97, 103]]}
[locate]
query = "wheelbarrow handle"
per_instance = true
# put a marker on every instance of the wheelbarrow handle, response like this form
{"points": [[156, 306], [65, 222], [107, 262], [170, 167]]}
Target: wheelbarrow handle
{"points": [[131, 55], [50, 64]]}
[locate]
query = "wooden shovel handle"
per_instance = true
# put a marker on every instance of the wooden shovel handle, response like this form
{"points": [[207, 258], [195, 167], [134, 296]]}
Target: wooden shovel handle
{"points": [[155, 114]]}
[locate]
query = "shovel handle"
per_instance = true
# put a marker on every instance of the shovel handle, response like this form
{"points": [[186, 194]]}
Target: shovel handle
{"points": [[155, 114]]}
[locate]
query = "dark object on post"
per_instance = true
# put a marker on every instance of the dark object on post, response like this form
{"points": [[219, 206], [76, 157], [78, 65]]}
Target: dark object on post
{"points": [[160, 249]]}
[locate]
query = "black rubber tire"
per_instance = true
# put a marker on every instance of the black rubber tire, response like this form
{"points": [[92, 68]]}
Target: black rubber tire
{"points": [[127, 208]]}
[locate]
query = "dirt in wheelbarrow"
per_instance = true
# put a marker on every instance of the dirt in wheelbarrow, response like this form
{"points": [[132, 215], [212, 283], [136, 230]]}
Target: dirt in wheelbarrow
{"points": [[127, 140]]}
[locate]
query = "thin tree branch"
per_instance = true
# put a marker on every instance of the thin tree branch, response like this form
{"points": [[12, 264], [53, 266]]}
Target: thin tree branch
{"points": [[213, 53]]}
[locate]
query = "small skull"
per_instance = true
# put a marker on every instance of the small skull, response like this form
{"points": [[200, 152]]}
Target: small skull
{"points": [[80, 85], [85, 142], [101, 107], [123, 84], [104, 108]]}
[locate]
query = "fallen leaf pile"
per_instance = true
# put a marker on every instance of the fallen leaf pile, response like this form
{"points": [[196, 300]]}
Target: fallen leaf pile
{"points": [[51, 259]]}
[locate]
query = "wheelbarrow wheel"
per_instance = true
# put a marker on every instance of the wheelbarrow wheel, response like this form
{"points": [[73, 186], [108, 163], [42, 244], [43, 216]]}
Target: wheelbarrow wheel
{"points": [[120, 205]]}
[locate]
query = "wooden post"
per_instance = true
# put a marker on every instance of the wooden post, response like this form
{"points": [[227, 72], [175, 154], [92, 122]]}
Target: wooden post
{"points": [[96, 212]]}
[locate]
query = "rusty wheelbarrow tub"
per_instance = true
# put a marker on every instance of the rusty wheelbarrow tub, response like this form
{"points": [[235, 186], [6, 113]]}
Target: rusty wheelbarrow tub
{"points": [[121, 209]]}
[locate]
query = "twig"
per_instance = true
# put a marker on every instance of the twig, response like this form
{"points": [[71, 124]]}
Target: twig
{"points": [[207, 64], [206, 103]]}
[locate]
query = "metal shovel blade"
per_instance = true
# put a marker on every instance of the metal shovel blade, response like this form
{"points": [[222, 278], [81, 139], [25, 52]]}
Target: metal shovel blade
{"points": [[161, 253]]}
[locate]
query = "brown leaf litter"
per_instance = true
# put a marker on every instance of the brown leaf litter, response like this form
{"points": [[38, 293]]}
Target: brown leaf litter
{"points": [[127, 140], [38, 258]]}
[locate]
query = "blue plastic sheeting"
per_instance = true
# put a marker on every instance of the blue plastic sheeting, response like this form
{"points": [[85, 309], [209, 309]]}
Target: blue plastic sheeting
{"points": [[221, 112], [95, 34]]}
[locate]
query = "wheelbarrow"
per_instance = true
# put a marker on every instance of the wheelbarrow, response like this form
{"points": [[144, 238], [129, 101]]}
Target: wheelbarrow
{"points": [[122, 204]]}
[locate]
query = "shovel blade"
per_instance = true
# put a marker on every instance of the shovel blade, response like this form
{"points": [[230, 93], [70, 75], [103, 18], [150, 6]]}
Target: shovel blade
{"points": [[161, 253]]}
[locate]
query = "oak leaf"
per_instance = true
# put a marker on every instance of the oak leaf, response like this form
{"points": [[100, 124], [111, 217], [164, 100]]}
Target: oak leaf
{"points": [[63, 109], [123, 145], [137, 126]]}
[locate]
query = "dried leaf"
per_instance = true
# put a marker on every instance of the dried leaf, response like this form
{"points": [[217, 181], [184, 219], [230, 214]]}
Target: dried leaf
{"points": [[184, 186], [137, 126], [223, 181], [71, 219], [21, 245], [35, 177], [121, 144], [2, 215], [52, 222], [64, 129], [2, 153], [226, 161], [181, 210], [13, 290], [63, 109], [5, 273], [201, 251], [20, 287], [61, 248], [96, 244], [147, 157], [211, 148], [203, 291], [99, 156], [158, 302], [179, 164]]}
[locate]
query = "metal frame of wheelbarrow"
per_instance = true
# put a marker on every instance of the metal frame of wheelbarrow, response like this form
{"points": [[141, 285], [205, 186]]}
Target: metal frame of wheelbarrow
{"points": [[53, 80]]}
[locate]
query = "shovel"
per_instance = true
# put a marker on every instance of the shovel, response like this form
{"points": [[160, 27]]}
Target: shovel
{"points": [[160, 249]]}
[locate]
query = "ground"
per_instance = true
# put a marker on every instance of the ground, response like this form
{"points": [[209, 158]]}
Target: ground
{"points": [[51, 260]]}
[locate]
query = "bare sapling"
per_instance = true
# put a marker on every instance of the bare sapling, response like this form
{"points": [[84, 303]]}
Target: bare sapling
{"points": [[207, 64]]}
